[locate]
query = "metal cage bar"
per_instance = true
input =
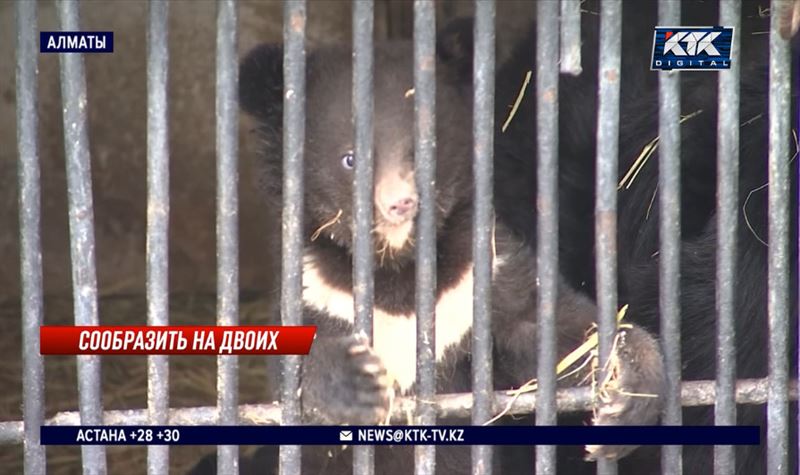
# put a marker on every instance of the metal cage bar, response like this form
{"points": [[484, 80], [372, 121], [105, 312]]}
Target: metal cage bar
{"points": [[425, 174], [227, 143], [670, 239], [606, 174], [81, 229], [483, 226], [727, 223], [157, 221], [294, 117], [363, 107], [547, 221], [570, 61], [30, 235], [363, 110], [778, 255], [693, 394]]}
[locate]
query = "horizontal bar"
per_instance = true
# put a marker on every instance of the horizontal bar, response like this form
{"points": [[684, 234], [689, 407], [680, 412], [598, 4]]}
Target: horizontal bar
{"points": [[693, 393]]}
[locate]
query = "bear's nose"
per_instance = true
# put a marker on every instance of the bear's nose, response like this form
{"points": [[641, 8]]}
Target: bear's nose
{"points": [[396, 199], [403, 208]]}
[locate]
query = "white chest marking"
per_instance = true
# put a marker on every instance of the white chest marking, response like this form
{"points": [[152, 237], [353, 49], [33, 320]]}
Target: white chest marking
{"points": [[395, 335]]}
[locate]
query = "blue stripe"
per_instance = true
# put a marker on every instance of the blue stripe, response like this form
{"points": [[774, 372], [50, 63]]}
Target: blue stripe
{"points": [[400, 435]]}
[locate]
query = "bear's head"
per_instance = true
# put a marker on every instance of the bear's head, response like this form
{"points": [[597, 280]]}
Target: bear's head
{"points": [[329, 135]]}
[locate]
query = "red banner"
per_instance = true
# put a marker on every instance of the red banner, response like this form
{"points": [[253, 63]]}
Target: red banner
{"points": [[175, 340]]}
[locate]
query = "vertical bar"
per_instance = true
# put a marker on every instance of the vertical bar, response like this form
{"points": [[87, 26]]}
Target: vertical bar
{"points": [[157, 223], [571, 37], [363, 281], [778, 255], [669, 238], [30, 235], [727, 222], [605, 221], [227, 77], [294, 117], [482, 226], [547, 224], [425, 171], [81, 230], [363, 21]]}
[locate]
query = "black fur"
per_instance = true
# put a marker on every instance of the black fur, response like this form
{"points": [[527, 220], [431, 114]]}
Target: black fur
{"points": [[638, 212]]}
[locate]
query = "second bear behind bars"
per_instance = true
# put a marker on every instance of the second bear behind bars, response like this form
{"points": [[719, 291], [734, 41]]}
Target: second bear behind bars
{"points": [[346, 381]]}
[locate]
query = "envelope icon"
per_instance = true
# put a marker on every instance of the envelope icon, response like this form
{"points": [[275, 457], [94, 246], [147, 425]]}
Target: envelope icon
{"points": [[346, 435]]}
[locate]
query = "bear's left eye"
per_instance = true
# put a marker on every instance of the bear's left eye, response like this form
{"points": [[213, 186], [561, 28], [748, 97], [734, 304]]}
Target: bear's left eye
{"points": [[347, 160]]}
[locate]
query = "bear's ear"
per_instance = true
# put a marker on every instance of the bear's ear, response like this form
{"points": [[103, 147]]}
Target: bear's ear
{"points": [[455, 46], [261, 82]]}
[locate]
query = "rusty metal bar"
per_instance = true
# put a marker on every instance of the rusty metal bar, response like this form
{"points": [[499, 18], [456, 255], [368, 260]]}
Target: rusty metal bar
{"points": [[30, 235], [780, 77], [363, 252], [606, 175], [482, 226], [547, 225], [227, 78], [693, 393], [571, 37], [81, 229], [294, 117], [670, 239], [157, 221], [425, 174], [727, 222]]}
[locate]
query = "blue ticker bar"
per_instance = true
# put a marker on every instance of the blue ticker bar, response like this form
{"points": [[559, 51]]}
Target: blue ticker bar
{"points": [[400, 435]]}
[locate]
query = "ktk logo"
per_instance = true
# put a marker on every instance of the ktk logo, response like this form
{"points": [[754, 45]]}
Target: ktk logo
{"points": [[692, 48], [696, 43]]}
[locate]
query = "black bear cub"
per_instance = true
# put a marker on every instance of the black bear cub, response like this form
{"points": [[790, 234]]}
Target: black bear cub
{"points": [[346, 381]]}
